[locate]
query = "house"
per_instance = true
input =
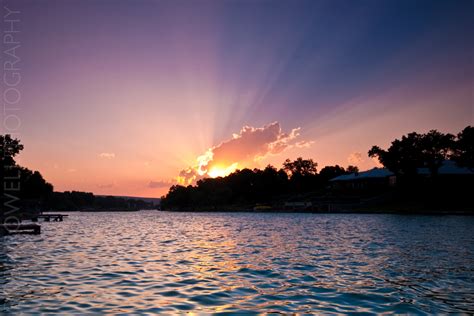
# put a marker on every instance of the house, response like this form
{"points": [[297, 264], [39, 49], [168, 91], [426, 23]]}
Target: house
{"points": [[451, 177], [448, 168], [373, 178], [379, 178]]}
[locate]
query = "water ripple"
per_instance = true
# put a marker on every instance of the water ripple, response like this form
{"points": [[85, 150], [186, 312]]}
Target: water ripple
{"points": [[150, 262]]}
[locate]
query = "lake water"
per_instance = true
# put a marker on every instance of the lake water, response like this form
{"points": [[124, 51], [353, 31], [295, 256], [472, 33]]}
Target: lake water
{"points": [[157, 262]]}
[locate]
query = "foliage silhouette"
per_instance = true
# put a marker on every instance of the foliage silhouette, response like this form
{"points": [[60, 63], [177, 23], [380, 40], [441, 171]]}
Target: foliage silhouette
{"points": [[352, 169], [9, 148], [463, 152], [250, 187], [301, 167], [414, 151]]}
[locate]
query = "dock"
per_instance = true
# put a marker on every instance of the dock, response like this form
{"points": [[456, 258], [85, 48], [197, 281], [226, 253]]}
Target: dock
{"points": [[51, 217], [12, 229]]}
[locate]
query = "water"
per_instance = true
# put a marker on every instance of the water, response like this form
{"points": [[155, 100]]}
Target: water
{"points": [[154, 262]]}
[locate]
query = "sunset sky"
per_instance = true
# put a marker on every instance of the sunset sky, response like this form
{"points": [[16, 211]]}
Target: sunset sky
{"points": [[123, 97]]}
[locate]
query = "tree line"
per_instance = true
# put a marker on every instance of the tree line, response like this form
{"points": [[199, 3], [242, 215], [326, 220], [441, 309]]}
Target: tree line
{"points": [[430, 150], [252, 186]]}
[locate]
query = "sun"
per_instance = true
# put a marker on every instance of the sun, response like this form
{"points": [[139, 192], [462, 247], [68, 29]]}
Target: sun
{"points": [[220, 171]]}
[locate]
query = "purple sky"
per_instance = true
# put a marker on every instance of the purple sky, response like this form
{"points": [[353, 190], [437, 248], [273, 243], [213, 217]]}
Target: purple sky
{"points": [[118, 97]]}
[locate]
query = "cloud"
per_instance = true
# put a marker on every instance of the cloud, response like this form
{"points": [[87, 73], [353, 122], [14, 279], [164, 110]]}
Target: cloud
{"points": [[188, 176], [355, 158], [160, 184], [304, 144], [107, 155], [245, 148]]}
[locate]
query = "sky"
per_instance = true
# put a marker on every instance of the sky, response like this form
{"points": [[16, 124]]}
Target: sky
{"points": [[129, 97]]}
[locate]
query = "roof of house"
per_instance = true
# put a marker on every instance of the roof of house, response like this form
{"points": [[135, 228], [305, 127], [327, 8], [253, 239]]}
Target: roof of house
{"points": [[369, 174], [448, 167]]}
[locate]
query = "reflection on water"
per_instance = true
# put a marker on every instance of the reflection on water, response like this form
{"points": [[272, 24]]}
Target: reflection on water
{"points": [[154, 262]]}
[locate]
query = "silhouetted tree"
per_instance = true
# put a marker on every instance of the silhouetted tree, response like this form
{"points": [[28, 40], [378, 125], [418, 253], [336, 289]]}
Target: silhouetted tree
{"points": [[178, 196], [414, 151], [303, 175], [34, 186], [436, 147], [300, 166], [28, 189], [463, 152], [9, 148], [352, 169], [402, 157], [329, 172], [76, 201]]}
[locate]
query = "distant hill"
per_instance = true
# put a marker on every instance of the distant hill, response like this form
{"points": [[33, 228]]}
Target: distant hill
{"points": [[155, 201]]}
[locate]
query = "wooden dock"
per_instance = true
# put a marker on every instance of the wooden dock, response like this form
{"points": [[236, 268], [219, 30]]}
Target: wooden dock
{"points": [[12, 229], [51, 217]]}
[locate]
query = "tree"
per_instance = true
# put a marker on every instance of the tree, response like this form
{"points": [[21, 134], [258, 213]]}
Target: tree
{"points": [[402, 157], [9, 148], [178, 196], [463, 152], [303, 175], [414, 151], [352, 169], [330, 172], [34, 186], [273, 181], [436, 147], [302, 167]]}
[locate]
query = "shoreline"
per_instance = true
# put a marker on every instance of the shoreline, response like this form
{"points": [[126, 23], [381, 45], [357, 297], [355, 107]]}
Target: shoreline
{"points": [[393, 212]]}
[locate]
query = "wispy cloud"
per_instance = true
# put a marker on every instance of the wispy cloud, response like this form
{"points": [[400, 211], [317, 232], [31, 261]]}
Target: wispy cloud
{"points": [[304, 144], [355, 158], [107, 155]]}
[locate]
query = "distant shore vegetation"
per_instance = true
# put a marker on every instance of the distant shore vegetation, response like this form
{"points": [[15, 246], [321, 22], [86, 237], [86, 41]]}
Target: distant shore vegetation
{"points": [[26, 192]]}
